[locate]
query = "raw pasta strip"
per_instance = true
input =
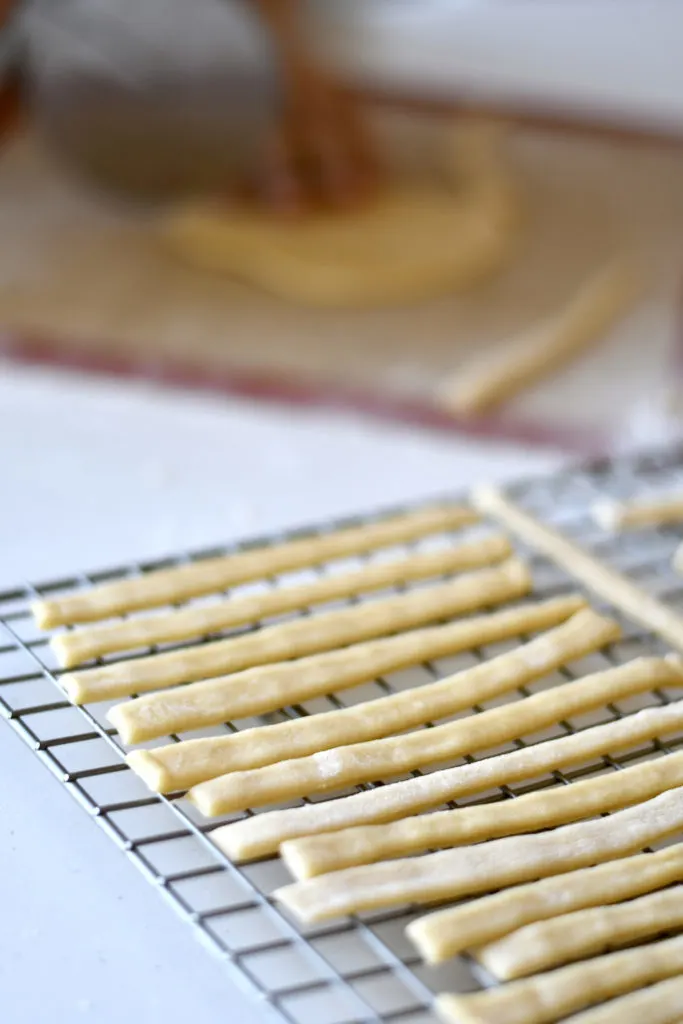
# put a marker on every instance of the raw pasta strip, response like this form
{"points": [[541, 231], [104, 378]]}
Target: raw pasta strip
{"points": [[80, 645], [266, 688], [318, 855], [619, 590], [384, 758], [446, 933], [659, 1004], [555, 994], [593, 311], [629, 515], [582, 934], [678, 558], [485, 866], [201, 759], [261, 834], [322, 632], [210, 575]]}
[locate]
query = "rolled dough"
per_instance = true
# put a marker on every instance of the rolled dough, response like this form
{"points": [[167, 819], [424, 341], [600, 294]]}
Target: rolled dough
{"points": [[414, 242], [322, 632], [210, 575], [630, 515], [80, 645], [268, 687], [273, 744], [262, 834], [582, 934], [469, 870], [599, 304], [553, 995], [318, 855], [659, 1004], [446, 933], [386, 758]]}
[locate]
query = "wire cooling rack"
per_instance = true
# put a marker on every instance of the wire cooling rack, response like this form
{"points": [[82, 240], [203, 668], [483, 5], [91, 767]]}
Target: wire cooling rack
{"points": [[361, 970]]}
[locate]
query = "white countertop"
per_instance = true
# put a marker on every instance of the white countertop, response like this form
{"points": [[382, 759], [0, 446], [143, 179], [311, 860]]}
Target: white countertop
{"points": [[95, 472]]}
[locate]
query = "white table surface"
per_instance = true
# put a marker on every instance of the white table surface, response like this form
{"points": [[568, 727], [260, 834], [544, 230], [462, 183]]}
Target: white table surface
{"points": [[94, 472]]}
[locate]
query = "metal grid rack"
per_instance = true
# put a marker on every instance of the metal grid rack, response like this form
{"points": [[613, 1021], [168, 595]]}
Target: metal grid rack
{"points": [[361, 970]]}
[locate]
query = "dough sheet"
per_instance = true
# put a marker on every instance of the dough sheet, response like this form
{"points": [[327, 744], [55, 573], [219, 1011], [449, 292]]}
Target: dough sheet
{"points": [[417, 240]]}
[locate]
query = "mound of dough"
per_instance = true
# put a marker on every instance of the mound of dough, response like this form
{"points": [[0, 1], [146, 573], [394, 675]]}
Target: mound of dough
{"points": [[416, 242]]}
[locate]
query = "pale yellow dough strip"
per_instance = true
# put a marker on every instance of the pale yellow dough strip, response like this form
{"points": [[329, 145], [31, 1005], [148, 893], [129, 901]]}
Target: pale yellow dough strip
{"points": [[262, 834], [612, 586], [582, 934], [319, 855], [555, 994], [630, 515], [385, 758], [272, 744], [210, 575], [593, 311], [308, 635], [80, 645], [445, 933], [678, 558], [263, 689], [485, 866], [659, 1004]]}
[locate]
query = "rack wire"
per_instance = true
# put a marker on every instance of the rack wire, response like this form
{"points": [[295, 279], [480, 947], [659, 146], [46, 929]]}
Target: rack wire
{"points": [[361, 969]]}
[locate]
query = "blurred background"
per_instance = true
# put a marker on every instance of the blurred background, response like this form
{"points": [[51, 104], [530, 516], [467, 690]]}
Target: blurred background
{"points": [[131, 106]]}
